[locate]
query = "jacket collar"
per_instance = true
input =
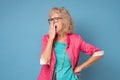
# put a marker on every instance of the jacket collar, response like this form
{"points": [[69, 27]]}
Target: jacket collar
{"points": [[68, 40]]}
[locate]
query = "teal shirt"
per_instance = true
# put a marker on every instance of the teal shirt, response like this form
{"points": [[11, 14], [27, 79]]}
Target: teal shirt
{"points": [[66, 73]]}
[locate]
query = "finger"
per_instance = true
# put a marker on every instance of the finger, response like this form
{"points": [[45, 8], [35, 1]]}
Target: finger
{"points": [[51, 25], [77, 73]]}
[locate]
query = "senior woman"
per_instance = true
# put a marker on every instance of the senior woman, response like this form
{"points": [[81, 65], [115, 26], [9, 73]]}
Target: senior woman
{"points": [[61, 49]]}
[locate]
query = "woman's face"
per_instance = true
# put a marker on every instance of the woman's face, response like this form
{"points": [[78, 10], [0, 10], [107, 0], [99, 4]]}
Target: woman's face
{"points": [[56, 20]]}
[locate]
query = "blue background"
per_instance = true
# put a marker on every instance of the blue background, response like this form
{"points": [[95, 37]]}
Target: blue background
{"points": [[24, 22]]}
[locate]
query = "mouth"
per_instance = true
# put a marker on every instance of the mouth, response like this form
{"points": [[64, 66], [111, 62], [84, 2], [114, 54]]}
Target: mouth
{"points": [[55, 28]]}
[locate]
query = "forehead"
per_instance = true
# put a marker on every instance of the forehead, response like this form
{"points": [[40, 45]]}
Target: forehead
{"points": [[54, 13]]}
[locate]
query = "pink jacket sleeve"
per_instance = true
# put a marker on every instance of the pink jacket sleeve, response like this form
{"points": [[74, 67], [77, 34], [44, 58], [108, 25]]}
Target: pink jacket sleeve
{"points": [[44, 43], [87, 48]]}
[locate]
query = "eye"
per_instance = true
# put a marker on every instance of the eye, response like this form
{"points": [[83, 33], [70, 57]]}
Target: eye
{"points": [[59, 18]]}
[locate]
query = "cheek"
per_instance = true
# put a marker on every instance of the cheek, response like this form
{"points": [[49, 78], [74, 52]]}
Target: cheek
{"points": [[60, 26]]}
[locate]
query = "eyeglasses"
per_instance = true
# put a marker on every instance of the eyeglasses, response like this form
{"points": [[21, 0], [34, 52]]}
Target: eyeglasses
{"points": [[55, 19]]}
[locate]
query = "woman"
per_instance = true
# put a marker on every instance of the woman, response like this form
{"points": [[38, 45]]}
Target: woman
{"points": [[61, 49]]}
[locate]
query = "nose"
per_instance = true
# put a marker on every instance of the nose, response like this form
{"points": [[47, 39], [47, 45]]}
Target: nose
{"points": [[53, 21]]}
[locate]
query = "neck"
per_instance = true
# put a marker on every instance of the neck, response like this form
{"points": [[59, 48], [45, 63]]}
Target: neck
{"points": [[61, 37]]}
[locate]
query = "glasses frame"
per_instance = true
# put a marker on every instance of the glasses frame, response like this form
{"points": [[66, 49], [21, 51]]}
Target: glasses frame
{"points": [[55, 19]]}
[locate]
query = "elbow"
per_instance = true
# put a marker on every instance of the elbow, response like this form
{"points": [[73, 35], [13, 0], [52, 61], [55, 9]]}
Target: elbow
{"points": [[44, 60], [102, 53], [98, 53]]}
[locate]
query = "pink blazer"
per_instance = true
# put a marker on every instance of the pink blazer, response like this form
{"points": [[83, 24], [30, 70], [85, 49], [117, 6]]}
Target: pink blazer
{"points": [[75, 44]]}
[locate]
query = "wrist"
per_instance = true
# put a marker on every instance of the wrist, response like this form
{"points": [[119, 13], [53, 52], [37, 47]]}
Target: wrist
{"points": [[50, 40], [81, 67]]}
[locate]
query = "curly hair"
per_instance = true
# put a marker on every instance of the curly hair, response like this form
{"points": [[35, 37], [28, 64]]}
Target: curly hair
{"points": [[68, 22]]}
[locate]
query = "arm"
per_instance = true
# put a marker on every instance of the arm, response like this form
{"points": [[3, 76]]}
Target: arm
{"points": [[47, 45], [46, 53], [90, 50], [94, 58]]}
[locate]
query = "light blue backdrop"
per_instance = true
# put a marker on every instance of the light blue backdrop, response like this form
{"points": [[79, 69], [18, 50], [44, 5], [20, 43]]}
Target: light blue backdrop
{"points": [[24, 22]]}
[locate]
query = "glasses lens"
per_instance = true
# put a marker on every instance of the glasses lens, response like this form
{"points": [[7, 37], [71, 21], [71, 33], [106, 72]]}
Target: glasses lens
{"points": [[54, 19]]}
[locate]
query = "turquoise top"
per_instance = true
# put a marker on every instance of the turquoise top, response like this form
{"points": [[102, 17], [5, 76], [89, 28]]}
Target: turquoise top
{"points": [[66, 73]]}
